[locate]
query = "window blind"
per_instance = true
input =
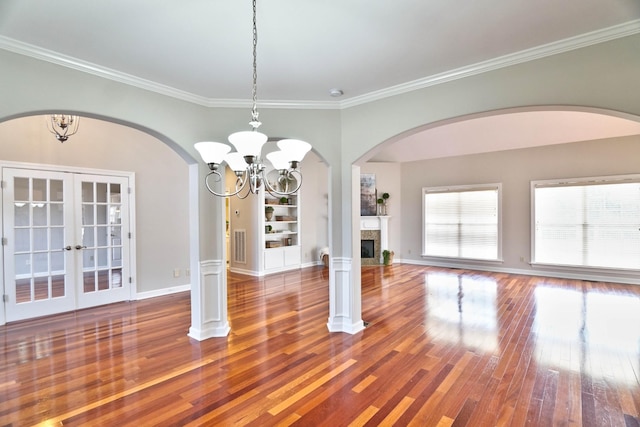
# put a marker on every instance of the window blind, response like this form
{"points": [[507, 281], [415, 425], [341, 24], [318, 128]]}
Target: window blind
{"points": [[588, 224], [462, 222]]}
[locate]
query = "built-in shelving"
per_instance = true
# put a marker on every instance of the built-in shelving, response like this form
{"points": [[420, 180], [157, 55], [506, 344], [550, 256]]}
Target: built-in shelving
{"points": [[281, 239]]}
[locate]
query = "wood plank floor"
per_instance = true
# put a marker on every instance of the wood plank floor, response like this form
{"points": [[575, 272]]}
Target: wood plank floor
{"points": [[443, 348]]}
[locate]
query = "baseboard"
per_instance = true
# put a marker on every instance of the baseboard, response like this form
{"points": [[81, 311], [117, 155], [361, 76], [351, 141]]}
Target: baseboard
{"points": [[162, 292], [245, 272], [557, 274], [274, 271], [311, 264]]}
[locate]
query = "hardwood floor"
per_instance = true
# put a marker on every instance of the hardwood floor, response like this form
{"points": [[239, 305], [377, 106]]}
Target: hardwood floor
{"points": [[443, 348]]}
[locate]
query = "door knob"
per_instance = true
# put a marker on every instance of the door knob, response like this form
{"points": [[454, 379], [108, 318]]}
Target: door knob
{"points": [[80, 247], [68, 248]]}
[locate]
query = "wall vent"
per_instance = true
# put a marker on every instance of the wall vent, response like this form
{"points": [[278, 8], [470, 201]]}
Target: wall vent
{"points": [[239, 246]]}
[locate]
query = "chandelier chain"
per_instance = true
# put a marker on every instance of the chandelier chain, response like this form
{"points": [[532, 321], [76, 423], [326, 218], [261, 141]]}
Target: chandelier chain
{"points": [[251, 176], [254, 111]]}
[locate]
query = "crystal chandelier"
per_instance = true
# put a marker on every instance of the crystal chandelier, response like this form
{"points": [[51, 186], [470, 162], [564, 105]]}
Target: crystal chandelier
{"points": [[63, 125], [246, 161]]}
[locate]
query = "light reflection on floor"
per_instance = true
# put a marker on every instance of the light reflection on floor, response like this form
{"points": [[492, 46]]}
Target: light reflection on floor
{"points": [[573, 329], [579, 330], [462, 309]]}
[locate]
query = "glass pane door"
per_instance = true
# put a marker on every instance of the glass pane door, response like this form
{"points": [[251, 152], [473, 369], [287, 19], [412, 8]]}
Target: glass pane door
{"points": [[103, 200], [67, 242], [38, 228]]}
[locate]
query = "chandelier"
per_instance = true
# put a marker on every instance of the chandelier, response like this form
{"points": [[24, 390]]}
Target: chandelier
{"points": [[246, 161], [63, 125]]}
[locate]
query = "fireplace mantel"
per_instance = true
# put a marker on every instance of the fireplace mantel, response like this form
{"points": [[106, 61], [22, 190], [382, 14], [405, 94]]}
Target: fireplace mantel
{"points": [[371, 223]]}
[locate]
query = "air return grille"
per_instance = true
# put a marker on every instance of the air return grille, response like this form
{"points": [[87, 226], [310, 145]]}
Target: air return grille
{"points": [[239, 246]]}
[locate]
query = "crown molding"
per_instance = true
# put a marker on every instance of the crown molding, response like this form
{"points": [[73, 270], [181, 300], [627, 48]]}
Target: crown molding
{"points": [[47, 55], [565, 45], [560, 46], [50, 56]]}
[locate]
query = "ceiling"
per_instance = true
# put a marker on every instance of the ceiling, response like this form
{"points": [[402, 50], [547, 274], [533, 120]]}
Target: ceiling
{"points": [[200, 50]]}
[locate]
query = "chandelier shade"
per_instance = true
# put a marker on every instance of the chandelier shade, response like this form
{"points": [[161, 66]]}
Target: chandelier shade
{"points": [[248, 143], [236, 162], [278, 159], [294, 149], [246, 161], [212, 152]]}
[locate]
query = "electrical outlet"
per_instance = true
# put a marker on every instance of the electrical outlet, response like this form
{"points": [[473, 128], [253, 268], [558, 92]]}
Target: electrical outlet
{"points": [[176, 272], [521, 259], [187, 272]]}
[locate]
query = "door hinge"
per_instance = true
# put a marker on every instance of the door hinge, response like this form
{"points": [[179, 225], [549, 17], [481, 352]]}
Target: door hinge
{"points": [[130, 281], [129, 234], [5, 298], [5, 241], [3, 184], [128, 190]]}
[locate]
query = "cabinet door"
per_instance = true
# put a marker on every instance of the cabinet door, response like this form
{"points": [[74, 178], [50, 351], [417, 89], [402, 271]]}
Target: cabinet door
{"points": [[291, 255], [273, 258]]}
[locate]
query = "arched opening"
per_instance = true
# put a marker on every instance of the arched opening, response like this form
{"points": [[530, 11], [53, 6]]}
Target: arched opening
{"points": [[163, 230], [512, 146]]}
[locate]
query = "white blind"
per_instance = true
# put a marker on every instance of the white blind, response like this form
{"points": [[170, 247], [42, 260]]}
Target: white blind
{"points": [[594, 225], [462, 223]]}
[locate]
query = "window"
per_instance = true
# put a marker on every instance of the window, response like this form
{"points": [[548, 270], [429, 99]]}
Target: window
{"points": [[591, 222], [462, 222]]}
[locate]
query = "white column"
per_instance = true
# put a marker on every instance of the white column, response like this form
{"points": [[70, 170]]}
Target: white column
{"points": [[208, 277], [344, 301], [209, 302]]}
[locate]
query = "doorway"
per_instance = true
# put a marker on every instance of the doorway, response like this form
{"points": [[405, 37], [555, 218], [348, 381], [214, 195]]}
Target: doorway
{"points": [[66, 241]]}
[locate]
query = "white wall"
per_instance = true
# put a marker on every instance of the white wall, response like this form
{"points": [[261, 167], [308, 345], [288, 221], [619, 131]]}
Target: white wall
{"points": [[162, 236], [515, 169], [315, 208]]}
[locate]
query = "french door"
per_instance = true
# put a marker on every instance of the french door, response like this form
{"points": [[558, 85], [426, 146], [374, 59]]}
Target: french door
{"points": [[65, 242]]}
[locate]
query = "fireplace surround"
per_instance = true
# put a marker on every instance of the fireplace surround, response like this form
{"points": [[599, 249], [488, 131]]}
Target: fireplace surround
{"points": [[373, 228]]}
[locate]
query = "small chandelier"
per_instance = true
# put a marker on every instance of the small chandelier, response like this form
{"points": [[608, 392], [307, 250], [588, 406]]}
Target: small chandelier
{"points": [[63, 125], [246, 161]]}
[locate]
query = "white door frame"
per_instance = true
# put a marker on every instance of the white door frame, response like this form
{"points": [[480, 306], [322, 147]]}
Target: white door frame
{"points": [[133, 290]]}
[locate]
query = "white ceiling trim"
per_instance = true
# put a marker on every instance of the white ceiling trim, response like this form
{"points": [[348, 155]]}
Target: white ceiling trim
{"points": [[42, 54], [560, 46], [577, 42]]}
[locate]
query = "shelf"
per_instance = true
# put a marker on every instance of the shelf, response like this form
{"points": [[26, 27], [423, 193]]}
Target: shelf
{"points": [[281, 247]]}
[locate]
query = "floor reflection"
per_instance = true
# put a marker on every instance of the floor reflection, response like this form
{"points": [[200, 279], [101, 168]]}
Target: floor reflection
{"points": [[462, 309], [590, 332]]}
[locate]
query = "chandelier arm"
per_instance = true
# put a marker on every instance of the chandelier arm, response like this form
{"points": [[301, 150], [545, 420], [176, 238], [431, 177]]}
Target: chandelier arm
{"points": [[240, 196], [243, 183], [289, 175], [219, 178]]}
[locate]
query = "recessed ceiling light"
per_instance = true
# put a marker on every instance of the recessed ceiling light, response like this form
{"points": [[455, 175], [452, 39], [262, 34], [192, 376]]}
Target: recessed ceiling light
{"points": [[336, 92]]}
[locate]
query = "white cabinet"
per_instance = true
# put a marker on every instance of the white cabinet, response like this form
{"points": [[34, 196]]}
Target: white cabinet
{"points": [[281, 238], [284, 258]]}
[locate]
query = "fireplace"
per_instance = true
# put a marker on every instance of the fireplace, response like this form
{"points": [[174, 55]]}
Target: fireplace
{"points": [[373, 239], [370, 245], [367, 249]]}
